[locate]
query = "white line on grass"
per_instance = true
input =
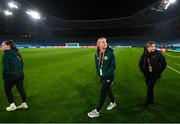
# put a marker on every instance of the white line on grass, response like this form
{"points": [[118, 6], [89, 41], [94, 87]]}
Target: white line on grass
{"points": [[173, 69], [177, 64], [172, 62], [172, 55]]}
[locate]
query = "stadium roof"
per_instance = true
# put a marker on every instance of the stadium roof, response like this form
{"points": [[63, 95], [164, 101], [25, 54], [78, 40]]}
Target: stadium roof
{"points": [[52, 20], [91, 10]]}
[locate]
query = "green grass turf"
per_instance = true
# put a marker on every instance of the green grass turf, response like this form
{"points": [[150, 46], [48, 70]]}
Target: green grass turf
{"points": [[62, 86]]}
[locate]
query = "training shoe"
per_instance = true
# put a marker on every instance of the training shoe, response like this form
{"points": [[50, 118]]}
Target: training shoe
{"points": [[22, 106], [111, 106], [12, 107], [93, 113]]}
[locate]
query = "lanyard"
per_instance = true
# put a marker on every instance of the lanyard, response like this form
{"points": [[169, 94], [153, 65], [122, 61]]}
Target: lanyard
{"points": [[101, 58], [150, 66]]}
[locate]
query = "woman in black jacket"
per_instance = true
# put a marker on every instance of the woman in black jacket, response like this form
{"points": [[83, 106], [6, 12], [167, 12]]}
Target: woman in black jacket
{"points": [[12, 63], [152, 63]]}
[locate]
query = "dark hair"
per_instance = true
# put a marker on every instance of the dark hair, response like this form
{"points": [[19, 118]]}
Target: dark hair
{"points": [[149, 43], [11, 44]]}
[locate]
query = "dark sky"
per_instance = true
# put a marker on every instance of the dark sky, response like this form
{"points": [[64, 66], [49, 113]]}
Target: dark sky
{"points": [[89, 9]]}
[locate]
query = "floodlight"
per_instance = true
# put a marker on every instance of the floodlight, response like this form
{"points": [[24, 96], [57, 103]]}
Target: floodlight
{"points": [[13, 5], [8, 13], [34, 14]]}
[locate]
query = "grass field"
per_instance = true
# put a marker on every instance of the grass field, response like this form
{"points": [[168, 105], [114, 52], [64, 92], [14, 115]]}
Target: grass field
{"points": [[62, 86]]}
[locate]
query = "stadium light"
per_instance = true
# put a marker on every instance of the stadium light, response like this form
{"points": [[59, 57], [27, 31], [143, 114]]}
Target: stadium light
{"points": [[168, 3], [35, 15], [172, 1], [13, 5], [164, 4], [8, 13]]}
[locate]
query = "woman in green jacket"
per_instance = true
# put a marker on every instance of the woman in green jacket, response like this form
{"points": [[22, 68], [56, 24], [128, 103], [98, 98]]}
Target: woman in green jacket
{"points": [[105, 67], [12, 63]]}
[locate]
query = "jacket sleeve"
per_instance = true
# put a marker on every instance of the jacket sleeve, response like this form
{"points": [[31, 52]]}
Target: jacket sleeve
{"points": [[112, 64], [21, 59], [141, 63], [6, 65], [162, 62]]}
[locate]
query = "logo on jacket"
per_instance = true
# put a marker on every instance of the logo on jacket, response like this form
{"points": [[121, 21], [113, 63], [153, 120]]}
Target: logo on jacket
{"points": [[105, 58]]}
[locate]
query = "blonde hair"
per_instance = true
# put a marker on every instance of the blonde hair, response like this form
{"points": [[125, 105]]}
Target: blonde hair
{"points": [[98, 42]]}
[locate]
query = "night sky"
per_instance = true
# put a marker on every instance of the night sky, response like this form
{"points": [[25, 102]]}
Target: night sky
{"points": [[89, 10]]}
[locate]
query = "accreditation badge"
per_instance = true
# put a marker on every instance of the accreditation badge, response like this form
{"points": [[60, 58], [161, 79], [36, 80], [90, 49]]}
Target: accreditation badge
{"points": [[101, 72]]}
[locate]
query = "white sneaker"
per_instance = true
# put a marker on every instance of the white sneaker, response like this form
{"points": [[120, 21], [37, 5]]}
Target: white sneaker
{"points": [[22, 106], [93, 113], [12, 107], [111, 106]]}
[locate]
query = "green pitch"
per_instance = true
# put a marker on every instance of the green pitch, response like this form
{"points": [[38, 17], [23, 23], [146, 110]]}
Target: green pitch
{"points": [[62, 86]]}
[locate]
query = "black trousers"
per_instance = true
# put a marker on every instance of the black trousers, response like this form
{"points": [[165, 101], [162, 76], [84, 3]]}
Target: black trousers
{"points": [[106, 90], [10, 81], [150, 91]]}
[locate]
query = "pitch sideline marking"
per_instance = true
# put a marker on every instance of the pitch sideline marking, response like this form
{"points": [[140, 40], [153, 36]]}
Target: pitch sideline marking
{"points": [[172, 56], [177, 64], [173, 69]]}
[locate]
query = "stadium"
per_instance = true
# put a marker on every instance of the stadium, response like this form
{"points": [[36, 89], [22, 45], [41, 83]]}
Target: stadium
{"points": [[58, 52]]}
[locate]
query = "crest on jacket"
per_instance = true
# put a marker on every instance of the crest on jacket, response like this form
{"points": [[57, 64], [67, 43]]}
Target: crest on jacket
{"points": [[105, 58]]}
